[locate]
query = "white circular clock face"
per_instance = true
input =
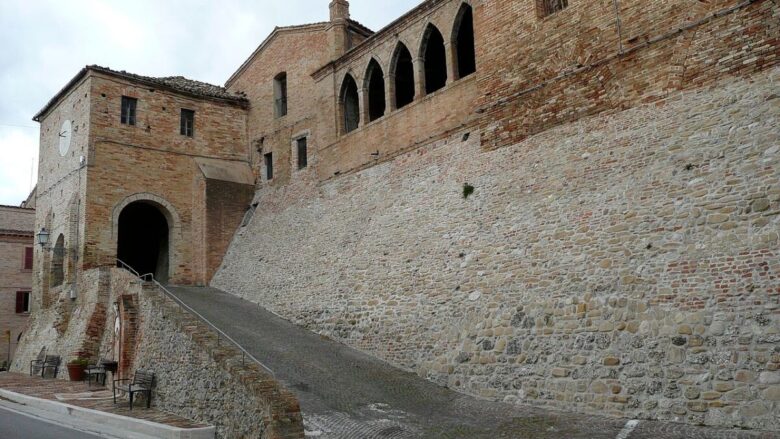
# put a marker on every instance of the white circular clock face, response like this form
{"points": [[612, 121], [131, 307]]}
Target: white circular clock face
{"points": [[65, 134]]}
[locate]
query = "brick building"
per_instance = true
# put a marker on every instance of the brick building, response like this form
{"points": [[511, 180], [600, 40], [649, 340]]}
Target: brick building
{"points": [[16, 268], [561, 203]]}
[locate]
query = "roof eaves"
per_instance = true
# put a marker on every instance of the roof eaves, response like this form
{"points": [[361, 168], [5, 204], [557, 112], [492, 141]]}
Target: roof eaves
{"points": [[162, 83], [168, 83], [5, 206], [277, 30], [23, 233], [76, 79]]}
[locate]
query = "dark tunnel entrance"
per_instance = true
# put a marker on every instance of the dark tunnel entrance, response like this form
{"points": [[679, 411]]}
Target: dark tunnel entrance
{"points": [[143, 239]]}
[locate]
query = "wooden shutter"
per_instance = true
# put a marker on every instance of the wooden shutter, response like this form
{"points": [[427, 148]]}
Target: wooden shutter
{"points": [[28, 258], [20, 302]]}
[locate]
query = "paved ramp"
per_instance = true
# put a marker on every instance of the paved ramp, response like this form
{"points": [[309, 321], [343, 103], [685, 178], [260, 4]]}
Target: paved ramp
{"points": [[346, 394]]}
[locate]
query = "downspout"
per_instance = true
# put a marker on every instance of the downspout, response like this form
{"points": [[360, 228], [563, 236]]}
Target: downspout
{"points": [[617, 24]]}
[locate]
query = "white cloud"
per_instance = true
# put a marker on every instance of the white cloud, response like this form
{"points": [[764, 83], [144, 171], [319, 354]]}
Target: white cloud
{"points": [[46, 42], [18, 154]]}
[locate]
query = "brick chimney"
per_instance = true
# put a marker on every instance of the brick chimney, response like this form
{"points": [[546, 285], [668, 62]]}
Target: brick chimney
{"points": [[339, 37]]}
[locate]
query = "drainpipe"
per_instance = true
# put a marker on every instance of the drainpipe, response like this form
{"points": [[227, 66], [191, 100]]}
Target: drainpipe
{"points": [[617, 24]]}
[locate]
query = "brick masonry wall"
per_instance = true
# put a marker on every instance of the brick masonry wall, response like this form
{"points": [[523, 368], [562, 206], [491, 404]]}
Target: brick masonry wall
{"points": [[13, 276], [197, 377], [624, 264], [572, 63], [154, 158], [61, 190], [226, 205], [298, 52]]}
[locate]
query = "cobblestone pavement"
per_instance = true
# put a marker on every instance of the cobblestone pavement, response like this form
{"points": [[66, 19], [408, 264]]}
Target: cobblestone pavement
{"points": [[346, 394]]}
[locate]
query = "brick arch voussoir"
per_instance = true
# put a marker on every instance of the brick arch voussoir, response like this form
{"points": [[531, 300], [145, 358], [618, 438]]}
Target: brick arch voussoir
{"points": [[167, 209]]}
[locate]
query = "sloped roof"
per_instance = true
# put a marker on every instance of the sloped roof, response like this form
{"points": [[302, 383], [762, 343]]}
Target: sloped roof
{"points": [[321, 25], [177, 84]]}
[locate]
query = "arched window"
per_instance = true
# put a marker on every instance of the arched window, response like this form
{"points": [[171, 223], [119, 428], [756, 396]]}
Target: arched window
{"points": [[403, 70], [375, 85], [58, 262], [280, 95], [350, 104], [463, 41], [434, 59]]}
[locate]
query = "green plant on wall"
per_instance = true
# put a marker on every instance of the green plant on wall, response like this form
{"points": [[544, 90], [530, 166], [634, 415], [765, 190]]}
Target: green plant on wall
{"points": [[467, 190]]}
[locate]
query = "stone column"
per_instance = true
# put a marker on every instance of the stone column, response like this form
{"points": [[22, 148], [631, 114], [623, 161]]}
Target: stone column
{"points": [[451, 57], [363, 102], [419, 78], [389, 94]]}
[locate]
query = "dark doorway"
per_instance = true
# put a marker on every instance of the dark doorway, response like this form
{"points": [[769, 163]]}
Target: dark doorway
{"points": [[376, 91], [350, 104], [404, 76], [464, 42], [143, 239], [435, 60]]}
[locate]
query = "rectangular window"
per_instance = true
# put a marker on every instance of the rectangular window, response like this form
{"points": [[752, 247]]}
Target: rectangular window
{"points": [[28, 258], [187, 122], [269, 166], [22, 302], [303, 160], [280, 95], [549, 7], [128, 110]]}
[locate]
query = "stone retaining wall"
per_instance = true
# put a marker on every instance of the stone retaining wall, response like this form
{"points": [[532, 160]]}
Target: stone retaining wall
{"points": [[197, 377], [624, 264]]}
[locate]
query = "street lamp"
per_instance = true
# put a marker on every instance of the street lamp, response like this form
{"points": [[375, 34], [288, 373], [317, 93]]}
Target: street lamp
{"points": [[43, 237]]}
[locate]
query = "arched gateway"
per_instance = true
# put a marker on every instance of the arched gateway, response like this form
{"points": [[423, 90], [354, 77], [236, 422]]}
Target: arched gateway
{"points": [[144, 238]]}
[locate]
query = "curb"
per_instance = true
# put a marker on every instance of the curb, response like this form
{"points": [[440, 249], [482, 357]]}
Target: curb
{"points": [[109, 420]]}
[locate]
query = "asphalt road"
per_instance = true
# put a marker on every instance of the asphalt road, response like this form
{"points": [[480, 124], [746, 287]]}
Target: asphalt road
{"points": [[14, 425], [345, 394]]}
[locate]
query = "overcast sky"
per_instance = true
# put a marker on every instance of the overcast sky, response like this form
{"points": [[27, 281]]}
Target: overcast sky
{"points": [[44, 43]]}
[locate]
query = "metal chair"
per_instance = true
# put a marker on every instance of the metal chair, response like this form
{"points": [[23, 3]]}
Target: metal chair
{"points": [[142, 382]]}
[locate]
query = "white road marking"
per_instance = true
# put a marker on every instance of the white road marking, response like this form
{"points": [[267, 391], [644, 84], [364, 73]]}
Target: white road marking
{"points": [[629, 427]]}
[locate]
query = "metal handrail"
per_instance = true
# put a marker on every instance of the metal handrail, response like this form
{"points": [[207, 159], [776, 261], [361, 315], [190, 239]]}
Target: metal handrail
{"points": [[149, 277]]}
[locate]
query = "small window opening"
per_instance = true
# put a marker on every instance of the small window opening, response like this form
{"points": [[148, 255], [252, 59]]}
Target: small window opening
{"points": [[302, 145], [280, 95], [435, 60], [28, 258], [376, 91], [404, 77], [269, 166], [350, 104], [128, 110], [22, 302], [187, 123], [549, 7], [464, 42]]}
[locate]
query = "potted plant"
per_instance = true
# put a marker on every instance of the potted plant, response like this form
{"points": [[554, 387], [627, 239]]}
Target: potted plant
{"points": [[76, 369]]}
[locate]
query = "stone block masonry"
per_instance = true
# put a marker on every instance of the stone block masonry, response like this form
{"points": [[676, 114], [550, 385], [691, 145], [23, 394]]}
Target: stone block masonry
{"points": [[625, 263], [198, 377]]}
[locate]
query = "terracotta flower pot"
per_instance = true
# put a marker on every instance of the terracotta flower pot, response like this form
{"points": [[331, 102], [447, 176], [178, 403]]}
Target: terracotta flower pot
{"points": [[76, 372]]}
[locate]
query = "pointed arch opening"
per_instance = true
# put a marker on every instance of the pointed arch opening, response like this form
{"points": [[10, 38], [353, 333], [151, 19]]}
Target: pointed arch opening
{"points": [[375, 85], [434, 60], [350, 105], [463, 42], [403, 71]]}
